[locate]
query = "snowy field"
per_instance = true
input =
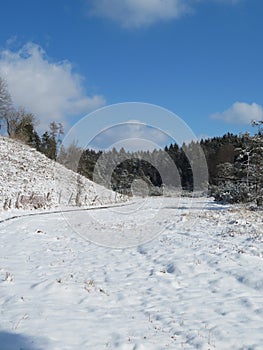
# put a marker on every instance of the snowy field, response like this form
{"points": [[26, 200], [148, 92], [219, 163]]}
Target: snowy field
{"points": [[191, 278]]}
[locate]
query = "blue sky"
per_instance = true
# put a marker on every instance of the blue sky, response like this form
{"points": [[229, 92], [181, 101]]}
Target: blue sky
{"points": [[201, 59]]}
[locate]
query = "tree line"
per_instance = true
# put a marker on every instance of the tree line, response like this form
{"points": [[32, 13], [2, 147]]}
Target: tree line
{"points": [[234, 163]]}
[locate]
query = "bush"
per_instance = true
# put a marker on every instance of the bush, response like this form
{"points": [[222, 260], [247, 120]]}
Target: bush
{"points": [[232, 193]]}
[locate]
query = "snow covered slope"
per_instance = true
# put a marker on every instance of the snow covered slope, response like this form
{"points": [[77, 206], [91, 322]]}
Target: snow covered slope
{"points": [[28, 179]]}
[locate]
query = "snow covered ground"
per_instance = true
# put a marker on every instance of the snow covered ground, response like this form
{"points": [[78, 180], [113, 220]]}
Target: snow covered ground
{"points": [[196, 284]]}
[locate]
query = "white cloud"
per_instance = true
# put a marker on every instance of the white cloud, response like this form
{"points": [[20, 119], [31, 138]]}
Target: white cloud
{"points": [[50, 90], [132, 135], [140, 13], [240, 113]]}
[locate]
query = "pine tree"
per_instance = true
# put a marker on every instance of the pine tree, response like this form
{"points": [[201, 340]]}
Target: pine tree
{"points": [[255, 159], [48, 146]]}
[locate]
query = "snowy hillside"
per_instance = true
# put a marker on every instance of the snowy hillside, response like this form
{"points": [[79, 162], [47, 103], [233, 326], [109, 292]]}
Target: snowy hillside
{"points": [[28, 179], [198, 285]]}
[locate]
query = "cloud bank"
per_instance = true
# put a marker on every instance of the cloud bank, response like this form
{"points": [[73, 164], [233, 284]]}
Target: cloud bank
{"points": [[240, 113], [143, 13], [50, 90]]}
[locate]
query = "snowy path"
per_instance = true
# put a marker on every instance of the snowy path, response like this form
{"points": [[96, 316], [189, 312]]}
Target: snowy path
{"points": [[198, 285]]}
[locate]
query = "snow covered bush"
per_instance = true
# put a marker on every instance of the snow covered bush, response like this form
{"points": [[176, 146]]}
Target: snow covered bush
{"points": [[231, 193]]}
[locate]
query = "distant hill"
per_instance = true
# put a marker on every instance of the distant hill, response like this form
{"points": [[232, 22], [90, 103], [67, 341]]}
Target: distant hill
{"points": [[28, 179]]}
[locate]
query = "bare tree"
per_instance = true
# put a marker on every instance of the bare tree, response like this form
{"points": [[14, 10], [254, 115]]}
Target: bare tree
{"points": [[56, 131], [70, 156], [5, 101], [17, 122], [12, 119]]}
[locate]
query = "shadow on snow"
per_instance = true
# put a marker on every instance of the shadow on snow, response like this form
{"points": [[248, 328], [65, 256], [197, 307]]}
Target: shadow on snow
{"points": [[15, 341]]}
